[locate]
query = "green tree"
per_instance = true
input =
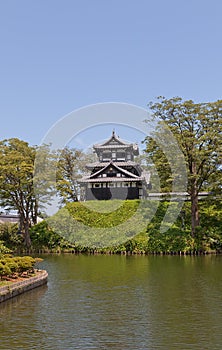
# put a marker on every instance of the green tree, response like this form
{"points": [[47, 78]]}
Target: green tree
{"points": [[4, 249], [44, 180], [197, 128], [71, 166], [16, 182]]}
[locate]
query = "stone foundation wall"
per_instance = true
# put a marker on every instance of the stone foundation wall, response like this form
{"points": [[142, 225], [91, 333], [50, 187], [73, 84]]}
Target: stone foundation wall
{"points": [[16, 288]]}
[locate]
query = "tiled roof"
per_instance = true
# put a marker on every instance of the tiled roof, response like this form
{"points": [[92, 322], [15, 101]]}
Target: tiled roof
{"points": [[103, 164], [145, 176], [121, 170], [112, 179], [9, 218], [112, 146], [114, 138]]}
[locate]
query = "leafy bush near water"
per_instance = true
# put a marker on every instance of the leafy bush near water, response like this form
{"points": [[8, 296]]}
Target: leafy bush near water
{"points": [[97, 218], [42, 236], [4, 249], [208, 236], [175, 239], [102, 225], [9, 234], [16, 266]]}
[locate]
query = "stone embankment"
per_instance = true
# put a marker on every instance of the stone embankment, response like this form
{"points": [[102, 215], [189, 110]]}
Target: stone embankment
{"points": [[15, 288]]}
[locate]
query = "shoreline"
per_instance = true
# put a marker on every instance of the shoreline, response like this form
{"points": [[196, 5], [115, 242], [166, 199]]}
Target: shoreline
{"points": [[16, 288], [118, 252]]}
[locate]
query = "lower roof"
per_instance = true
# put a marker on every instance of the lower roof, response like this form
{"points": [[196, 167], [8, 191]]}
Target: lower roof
{"points": [[119, 163], [112, 179]]}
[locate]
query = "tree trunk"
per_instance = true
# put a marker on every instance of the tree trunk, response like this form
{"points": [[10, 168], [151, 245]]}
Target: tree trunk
{"points": [[27, 239], [24, 227], [34, 212], [194, 213], [194, 200]]}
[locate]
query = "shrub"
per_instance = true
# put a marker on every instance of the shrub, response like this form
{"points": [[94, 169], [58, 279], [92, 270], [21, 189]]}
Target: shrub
{"points": [[25, 263], [9, 234], [43, 237], [4, 270], [4, 249], [12, 264], [17, 265]]}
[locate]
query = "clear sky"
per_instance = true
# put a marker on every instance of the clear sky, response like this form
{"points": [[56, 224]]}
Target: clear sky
{"points": [[60, 55]]}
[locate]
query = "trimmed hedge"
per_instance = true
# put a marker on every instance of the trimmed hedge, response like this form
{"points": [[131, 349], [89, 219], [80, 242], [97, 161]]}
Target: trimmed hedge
{"points": [[16, 266]]}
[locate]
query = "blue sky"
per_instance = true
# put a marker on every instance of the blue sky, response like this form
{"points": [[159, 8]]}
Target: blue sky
{"points": [[57, 56]]}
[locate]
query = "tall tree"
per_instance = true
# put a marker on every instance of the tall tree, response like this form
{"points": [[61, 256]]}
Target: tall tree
{"points": [[16, 182], [70, 168], [197, 128], [44, 180]]}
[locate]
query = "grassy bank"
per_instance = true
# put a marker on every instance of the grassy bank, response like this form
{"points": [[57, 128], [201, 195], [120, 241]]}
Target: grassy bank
{"points": [[63, 234]]}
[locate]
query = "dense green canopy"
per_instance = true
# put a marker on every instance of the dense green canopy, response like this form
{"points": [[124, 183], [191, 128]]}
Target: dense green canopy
{"points": [[197, 128]]}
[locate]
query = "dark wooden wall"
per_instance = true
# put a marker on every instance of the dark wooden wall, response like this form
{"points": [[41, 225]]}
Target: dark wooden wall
{"points": [[112, 193]]}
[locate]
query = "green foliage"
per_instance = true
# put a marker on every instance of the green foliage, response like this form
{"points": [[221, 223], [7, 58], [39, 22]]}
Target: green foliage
{"points": [[138, 244], [16, 180], [4, 249], [9, 234], [109, 219], [25, 263], [18, 188], [43, 237], [10, 266], [197, 128], [70, 168], [161, 174], [210, 229], [176, 238], [97, 224], [173, 239], [4, 270], [11, 263]]}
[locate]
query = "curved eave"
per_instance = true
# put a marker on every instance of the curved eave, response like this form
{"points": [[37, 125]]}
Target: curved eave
{"points": [[112, 179], [114, 138], [120, 163], [101, 147]]}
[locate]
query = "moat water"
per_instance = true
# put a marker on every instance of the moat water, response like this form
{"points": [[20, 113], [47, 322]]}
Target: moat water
{"points": [[119, 302]]}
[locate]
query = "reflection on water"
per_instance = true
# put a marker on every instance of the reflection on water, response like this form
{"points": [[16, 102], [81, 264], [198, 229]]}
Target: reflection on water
{"points": [[119, 302], [14, 303]]}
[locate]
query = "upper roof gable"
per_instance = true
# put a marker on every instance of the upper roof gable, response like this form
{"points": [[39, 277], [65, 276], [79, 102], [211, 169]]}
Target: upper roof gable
{"points": [[113, 140]]}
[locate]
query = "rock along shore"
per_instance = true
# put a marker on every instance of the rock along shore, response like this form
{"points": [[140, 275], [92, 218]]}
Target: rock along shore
{"points": [[16, 288]]}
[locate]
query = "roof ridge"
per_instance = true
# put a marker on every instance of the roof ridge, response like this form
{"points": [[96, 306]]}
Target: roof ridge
{"points": [[126, 172], [113, 136]]}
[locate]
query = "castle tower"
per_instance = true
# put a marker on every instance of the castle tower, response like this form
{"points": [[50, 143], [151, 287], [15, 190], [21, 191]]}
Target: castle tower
{"points": [[116, 175]]}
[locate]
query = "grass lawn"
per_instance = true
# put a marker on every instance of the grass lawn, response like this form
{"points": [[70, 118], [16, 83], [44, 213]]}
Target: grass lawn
{"points": [[5, 283]]}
